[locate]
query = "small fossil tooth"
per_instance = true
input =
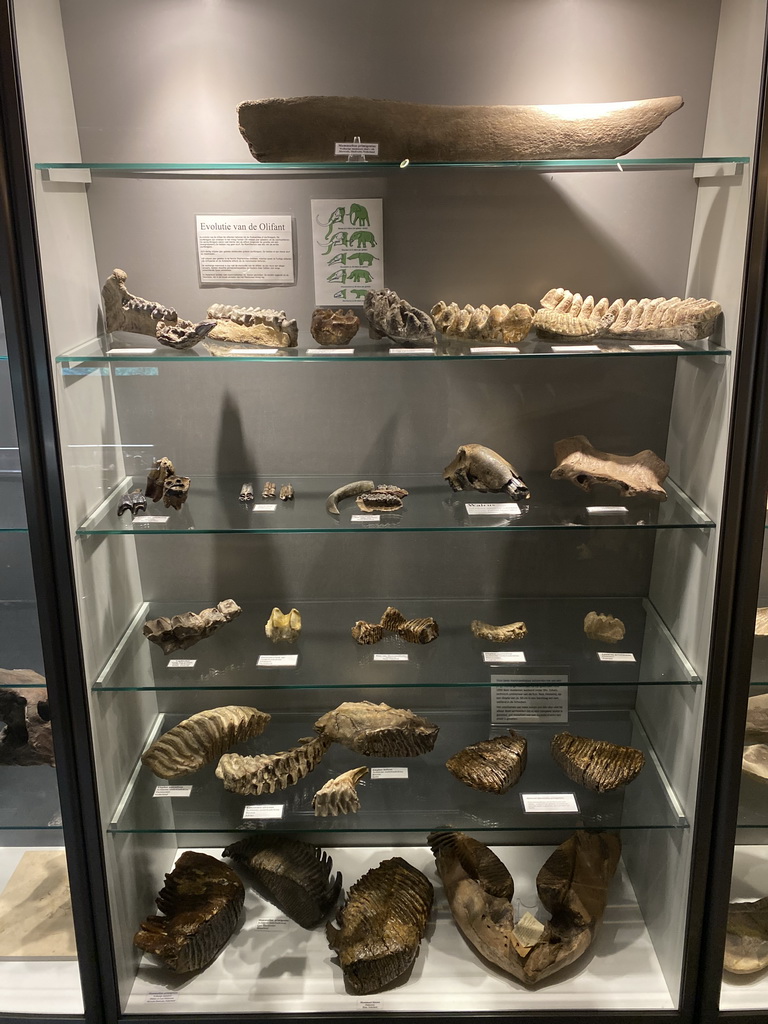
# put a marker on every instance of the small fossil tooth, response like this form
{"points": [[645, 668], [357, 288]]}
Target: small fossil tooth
{"points": [[183, 334], [286, 492], [494, 765], [175, 491], [202, 738], [339, 795], [246, 492], [269, 490], [201, 903], [367, 632], [392, 619], [377, 730], [746, 937], [378, 501], [584, 465], [249, 326], [294, 875], [161, 470], [182, 631], [126, 312], [381, 925], [132, 502], [419, 631], [507, 324], [266, 773], [482, 469], [499, 634], [25, 738], [596, 764], [347, 491], [281, 626], [389, 316], [761, 622], [605, 628], [333, 326]]}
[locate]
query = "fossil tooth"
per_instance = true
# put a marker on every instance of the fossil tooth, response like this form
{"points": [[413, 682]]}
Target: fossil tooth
{"points": [[378, 501], [392, 619], [202, 738], [286, 492], [389, 316], [399, 492], [507, 324], [746, 937], [381, 925], [25, 738], [126, 312], [596, 764], [499, 634], [339, 795], [367, 632], [584, 465], [266, 773], [293, 875], [377, 730], [333, 326], [419, 631], [482, 469], [201, 903], [476, 859], [347, 491], [494, 765], [132, 502], [175, 491], [281, 626], [269, 490], [551, 324], [761, 622], [161, 470], [182, 334], [757, 719], [606, 628], [185, 630], [245, 326], [246, 492]]}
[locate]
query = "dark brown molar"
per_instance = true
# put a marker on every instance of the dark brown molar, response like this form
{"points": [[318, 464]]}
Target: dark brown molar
{"points": [[572, 886], [201, 903], [25, 739], [286, 492], [269, 490], [757, 719], [367, 632], [381, 925], [126, 312], [482, 469], [293, 875], [746, 937], [266, 773], [389, 316], [201, 739], [584, 465], [392, 619], [183, 333], [606, 628], [132, 502], [378, 501], [161, 470], [494, 765], [596, 764], [377, 730], [246, 492], [175, 491], [334, 326], [182, 631]]}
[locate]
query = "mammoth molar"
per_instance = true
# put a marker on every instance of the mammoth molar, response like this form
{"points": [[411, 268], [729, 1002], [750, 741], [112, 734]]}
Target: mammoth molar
{"points": [[493, 765], [202, 738], [377, 730], [584, 465], [182, 631], [267, 773], [596, 764]]}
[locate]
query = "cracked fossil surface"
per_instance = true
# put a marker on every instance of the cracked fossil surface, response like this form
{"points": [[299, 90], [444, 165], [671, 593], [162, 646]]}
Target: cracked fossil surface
{"points": [[126, 312], [201, 903], [297, 877], [339, 795], [283, 626], [499, 634], [304, 128], [584, 465], [389, 316], [746, 937], [202, 738], [494, 765], [330, 327], [266, 773], [761, 622], [605, 628], [596, 764], [175, 491], [757, 719], [507, 324], [478, 468], [377, 730], [161, 470], [754, 761], [183, 334], [182, 631], [244, 326], [572, 885], [381, 925], [25, 738]]}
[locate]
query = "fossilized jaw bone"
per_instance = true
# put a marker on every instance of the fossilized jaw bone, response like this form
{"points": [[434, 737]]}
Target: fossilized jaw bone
{"points": [[304, 128], [339, 795], [25, 738], [377, 730], [382, 499], [249, 325], [201, 739], [508, 324], [126, 312], [266, 773], [381, 925], [389, 316], [596, 764], [499, 634], [294, 875], [494, 765], [281, 626], [482, 469], [183, 333], [584, 465], [746, 937], [183, 631], [334, 326], [606, 628], [201, 900], [347, 491], [132, 502]]}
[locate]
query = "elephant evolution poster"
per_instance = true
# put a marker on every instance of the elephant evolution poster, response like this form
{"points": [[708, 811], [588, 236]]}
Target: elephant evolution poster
{"points": [[348, 249]]}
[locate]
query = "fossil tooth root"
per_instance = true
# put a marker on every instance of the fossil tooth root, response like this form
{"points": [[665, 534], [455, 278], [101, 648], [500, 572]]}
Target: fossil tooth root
{"points": [[287, 492], [182, 334], [283, 626], [201, 902], [367, 632], [339, 795], [596, 764], [126, 312], [185, 630], [746, 937], [584, 465], [175, 491], [161, 470], [331, 327], [269, 489], [132, 502], [377, 730], [381, 925], [202, 738], [389, 316], [606, 628], [246, 492], [507, 324], [347, 491], [294, 875], [267, 773], [25, 738], [249, 326], [494, 765], [478, 468], [499, 634]]}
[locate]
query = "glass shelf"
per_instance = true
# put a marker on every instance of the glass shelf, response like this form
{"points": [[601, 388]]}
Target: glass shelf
{"points": [[328, 656], [29, 798], [213, 506], [429, 799], [20, 632]]}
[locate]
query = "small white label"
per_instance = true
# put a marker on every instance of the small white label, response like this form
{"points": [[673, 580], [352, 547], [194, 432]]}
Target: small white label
{"points": [[502, 657], [271, 924], [264, 508], [132, 351], [487, 350], [253, 352], [182, 663], [141, 520], [389, 773], [575, 348], [330, 351], [390, 657], [411, 351], [356, 149], [277, 661], [550, 803], [370, 1004], [263, 811], [365, 518], [172, 791], [656, 348], [599, 510], [615, 656], [494, 508], [161, 997], [528, 930], [528, 703]]}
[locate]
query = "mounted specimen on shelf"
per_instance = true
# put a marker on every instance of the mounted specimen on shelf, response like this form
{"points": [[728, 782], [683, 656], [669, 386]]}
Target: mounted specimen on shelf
{"points": [[499, 634], [281, 626], [381, 925], [493, 765], [126, 312], [269, 490], [132, 502], [25, 738], [175, 491], [332, 327], [303, 129], [572, 886], [246, 492], [182, 334], [761, 622], [377, 730], [266, 773], [478, 468], [183, 631], [163, 482], [244, 326], [415, 631], [507, 324], [383, 498], [389, 316], [596, 764], [339, 795], [584, 465], [202, 738], [746, 937], [605, 628], [293, 875], [287, 492], [201, 903]]}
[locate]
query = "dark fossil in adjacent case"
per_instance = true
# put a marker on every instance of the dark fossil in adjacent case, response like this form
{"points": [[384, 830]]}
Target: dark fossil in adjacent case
{"points": [[482, 469], [179, 632], [201, 903], [297, 877], [202, 738], [25, 738], [381, 925], [377, 730], [597, 764], [746, 937], [132, 502], [494, 765], [266, 773]]}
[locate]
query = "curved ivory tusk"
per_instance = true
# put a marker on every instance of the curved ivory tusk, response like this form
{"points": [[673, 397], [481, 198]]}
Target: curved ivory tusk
{"points": [[347, 491]]}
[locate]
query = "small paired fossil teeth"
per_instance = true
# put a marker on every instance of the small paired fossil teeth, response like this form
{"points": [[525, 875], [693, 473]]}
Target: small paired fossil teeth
{"points": [[339, 795], [347, 491], [246, 492], [286, 492], [269, 490]]}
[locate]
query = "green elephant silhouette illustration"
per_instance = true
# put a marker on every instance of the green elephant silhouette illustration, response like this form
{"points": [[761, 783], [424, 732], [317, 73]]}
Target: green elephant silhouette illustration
{"points": [[341, 257], [358, 293], [359, 215], [340, 294], [360, 276], [364, 259], [340, 238], [339, 276], [337, 217], [362, 239]]}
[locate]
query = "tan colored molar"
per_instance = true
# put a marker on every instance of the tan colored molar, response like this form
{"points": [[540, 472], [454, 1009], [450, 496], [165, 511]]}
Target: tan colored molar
{"points": [[202, 738], [507, 324], [339, 795], [283, 626], [499, 634], [606, 628]]}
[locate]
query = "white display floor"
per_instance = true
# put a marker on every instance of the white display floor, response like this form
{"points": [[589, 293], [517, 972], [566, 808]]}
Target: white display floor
{"points": [[749, 882], [271, 965]]}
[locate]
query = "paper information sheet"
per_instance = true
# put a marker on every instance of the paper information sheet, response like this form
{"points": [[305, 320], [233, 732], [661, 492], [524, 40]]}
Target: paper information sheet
{"points": [[537, 703], [348, 250], [255, 249]]}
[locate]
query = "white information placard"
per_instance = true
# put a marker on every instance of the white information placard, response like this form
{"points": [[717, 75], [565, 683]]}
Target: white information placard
{"points": [[605, 510], [537, 703], [575, 348], [365, 517], [182, 663], [147, 520], [271, 924], [263, 811], [390, 657], [502, 657], [493, 508], [277, 661], [172, 791], [252, 249], [330, 351], [264, 508], [550, 803], [348, 250], [615, 656], [389, 773], [487, 350], [356, 149], [411, 351], [161, 997], [656, 348]]}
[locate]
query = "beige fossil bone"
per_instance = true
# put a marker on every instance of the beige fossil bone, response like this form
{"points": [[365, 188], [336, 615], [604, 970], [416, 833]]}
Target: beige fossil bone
{"points": [[161, 469], [182, 631], [761, 622], [287, 492], [757, 719], [269, 490], [331, 327], [389, 316], [126, 312], [267, 773], [245, 326], [283, 626], [25, 736], [377, 730], [183, 334], [584, 465], [202, 738], [499, 634], [347, 491], [754, 761], [746, 937], [339, 795], [304, 128], [596, 764], [507, 324], [493, 765], [478, 468], [606, 628]]}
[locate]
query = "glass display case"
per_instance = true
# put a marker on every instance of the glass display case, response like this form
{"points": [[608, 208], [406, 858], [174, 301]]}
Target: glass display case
{"points": [[501, 533]]}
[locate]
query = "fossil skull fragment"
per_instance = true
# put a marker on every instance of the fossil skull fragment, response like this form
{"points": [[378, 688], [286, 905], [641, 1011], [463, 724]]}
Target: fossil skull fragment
{"points": [[183, 334], [245, 326], [596, 764], [132, 502], [584, 465], [605, 628], [389, 316], [499, 634], [478, 468], [377, 730], [126, 312], [339, 795], [202, 738], [494, 765], [507, 324], [25, 738], [331, 327], [746, 937], [347, 491], [283, 626], [266, 773], [182, 631]]}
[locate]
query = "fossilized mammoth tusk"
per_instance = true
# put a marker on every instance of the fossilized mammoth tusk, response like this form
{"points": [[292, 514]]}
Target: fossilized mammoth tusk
{"points": [[347, 491]]}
